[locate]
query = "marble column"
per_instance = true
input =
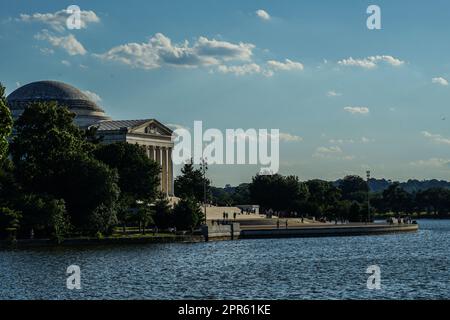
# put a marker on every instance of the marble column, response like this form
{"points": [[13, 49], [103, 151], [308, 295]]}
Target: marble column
{"points": [[161, 175], [167, 171]]}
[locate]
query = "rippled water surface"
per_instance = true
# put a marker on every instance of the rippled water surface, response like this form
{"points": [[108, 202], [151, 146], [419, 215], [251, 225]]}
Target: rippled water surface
{"points": [[412, 266]]}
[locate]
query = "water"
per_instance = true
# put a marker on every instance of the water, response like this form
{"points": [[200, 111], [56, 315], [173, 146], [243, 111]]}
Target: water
{"points": [[412, 266]]}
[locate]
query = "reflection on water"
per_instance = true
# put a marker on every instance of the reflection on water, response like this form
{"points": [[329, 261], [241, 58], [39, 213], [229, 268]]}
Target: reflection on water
{"points": [[412, 266]]}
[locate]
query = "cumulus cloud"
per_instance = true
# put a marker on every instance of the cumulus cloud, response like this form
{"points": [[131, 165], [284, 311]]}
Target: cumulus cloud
{"points": [[245, 69], [436, 138], [263, 15], [357, 110], [66, 63], [439, 80], [333, 152], [287, 137], [93, 96], [69, 43], [287, 65], [371, 62], [175, 126], [57, 20], [160, 51], [333, 93], [433, 162]]}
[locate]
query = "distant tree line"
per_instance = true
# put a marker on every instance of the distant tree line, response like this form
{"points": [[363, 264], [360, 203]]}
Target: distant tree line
{"points": [[345, 199]]}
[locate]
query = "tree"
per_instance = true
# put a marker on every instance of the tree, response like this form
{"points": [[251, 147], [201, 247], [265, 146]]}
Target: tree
{"points": [[355, 212], [46, 216], [9, 222], [138, 175], [45, 134], [187, 214], [6, 123], [52, 157], [322, 196], [277, 192], [163, 214], [397, 199], [144, 216], [436, 200], [353, 188], [190, 184]]}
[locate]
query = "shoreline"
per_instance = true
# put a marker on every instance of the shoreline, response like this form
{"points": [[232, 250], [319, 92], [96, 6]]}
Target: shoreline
{"points": [[226, 232]]}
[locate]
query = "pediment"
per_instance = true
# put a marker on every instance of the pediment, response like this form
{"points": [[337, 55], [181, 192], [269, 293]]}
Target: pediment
{"points": [[152, 127]]}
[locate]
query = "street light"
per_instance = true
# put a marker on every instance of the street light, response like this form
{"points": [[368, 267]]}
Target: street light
{"points": [[204, 168], [368, 196]]}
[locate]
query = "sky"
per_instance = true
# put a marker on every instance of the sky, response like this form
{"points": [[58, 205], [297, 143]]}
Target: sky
{"points": [[345, 98]]}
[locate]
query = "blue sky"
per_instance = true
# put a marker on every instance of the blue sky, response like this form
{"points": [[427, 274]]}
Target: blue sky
{"points": [[348, 98]]}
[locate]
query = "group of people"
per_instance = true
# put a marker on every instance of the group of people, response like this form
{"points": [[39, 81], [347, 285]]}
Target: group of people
{"points": [[400, 220]]}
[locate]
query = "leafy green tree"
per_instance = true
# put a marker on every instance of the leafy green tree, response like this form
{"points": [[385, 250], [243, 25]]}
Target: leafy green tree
{"points": [[190, 184], [163, 214], [51, 156], [45, 134], [353, 188], [355, 213], [90, 190], [436, 200], [144, 216], [9, 222], [6, 123], [397, 199], [322, 196], [187, 214], [277, 192], [47, 217], [138, 175]]}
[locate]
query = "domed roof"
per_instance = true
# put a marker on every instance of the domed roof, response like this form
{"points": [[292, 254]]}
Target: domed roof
{"points": [[87, 111]]}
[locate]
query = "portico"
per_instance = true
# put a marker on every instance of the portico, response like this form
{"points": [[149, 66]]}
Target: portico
{"points": [[150, 133]]}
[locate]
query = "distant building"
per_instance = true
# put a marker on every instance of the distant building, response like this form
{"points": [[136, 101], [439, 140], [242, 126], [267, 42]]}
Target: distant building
{"points": [[150, 133]]}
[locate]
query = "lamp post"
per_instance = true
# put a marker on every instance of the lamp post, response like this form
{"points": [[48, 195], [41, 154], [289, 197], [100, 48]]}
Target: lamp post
{"points": [[368, 196], [204, 168]]}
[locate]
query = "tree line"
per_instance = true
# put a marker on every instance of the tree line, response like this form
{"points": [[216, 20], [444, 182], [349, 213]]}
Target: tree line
{"points": [[348, 199]]}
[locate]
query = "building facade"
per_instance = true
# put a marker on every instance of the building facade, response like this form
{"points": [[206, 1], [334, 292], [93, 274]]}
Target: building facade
{"points": [[155, 137]]}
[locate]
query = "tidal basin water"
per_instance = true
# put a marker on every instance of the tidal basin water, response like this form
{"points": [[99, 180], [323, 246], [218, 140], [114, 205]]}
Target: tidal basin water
{"points": [[413, 266]]}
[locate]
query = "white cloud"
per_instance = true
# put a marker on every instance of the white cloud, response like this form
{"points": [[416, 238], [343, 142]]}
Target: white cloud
{"points": [[439, 80], [436, 138], [433, 162], [57, 20], [93, 96], [263, 15], [46, 51], [160, 51], [371, 62], [287, 137], [357, 110], [175, 126], [246, 69], [350, 141], [333, 93], [333, 152], [68, 43], [328, 150], [66, 63], [341, 141], [287, 65]]}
